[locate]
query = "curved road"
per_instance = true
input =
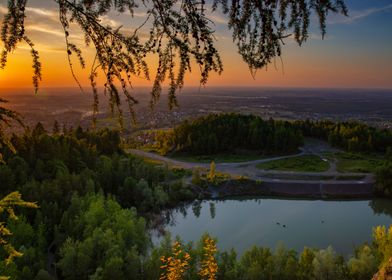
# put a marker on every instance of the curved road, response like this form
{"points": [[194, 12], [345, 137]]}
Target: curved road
{"points": [[250, 170]]}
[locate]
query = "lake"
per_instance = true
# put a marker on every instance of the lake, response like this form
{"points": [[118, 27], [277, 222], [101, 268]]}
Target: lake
{"points": [[242, 223]]}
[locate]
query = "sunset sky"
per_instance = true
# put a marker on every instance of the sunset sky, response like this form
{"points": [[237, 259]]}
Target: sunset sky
{"points": [[356, 53]]}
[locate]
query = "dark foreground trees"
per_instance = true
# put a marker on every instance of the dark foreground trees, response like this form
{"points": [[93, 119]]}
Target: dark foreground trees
{"points": [[8, 205], [76, 178]]}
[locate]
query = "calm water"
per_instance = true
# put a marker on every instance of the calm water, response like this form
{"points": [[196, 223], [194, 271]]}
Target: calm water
{"points": [[313, 223]]}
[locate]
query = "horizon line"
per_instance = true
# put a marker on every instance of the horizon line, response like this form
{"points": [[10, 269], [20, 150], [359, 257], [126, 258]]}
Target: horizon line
{"points": [[207, 87]]}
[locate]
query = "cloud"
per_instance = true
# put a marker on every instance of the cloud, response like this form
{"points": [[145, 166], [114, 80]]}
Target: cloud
{"points": [[106, 20], [43, 48], [51, 14], [358, 15], [45, 29], [217, 18], [139, 14]]}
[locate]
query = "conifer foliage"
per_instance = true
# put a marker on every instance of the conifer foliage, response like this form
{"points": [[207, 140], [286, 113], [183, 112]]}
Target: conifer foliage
{"points": [[8, 205], [175, 266], [209, 266], [6, 118], [181, 33]]}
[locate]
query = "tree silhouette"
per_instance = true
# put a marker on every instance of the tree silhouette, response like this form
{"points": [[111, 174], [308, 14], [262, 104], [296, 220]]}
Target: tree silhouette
{"points": [[6, 118], [179, 32]]}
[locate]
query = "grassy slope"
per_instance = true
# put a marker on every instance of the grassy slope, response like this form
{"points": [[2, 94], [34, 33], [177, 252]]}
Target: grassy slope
{"points": [[349, 162], [355, 162], [306, 163]]}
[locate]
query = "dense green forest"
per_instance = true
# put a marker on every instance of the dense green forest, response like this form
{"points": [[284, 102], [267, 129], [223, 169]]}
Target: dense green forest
{"points": [[217, 133], [350, 136], [214, 134], [96, 207], [71, 176]]}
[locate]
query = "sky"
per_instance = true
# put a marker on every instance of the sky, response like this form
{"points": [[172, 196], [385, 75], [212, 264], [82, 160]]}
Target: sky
{"points": [[356, 52]]}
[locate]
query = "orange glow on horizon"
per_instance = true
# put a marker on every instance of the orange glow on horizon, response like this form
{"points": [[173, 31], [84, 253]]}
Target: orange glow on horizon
{"points": [[300, 68]]}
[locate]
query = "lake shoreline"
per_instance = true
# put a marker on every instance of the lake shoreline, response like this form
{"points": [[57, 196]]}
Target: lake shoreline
{"points": [[311, 189], [268, 221]]}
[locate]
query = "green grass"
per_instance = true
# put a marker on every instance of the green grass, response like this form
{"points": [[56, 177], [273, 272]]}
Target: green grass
{"points": [[151, 161], [353, 162], [306, 163], [179, 172]]}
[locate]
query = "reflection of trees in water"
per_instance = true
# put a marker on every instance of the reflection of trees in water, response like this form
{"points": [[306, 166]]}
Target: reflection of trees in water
{"points": [[381, 206], [196, 208], [168, 215], [212, 210], [182, 210]]}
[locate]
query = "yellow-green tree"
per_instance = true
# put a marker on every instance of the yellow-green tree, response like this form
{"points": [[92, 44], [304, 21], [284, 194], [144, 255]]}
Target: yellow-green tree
{"points": [[212, 174], [383, 242], [175, 265], [209, 266], [382, 238], [7, 206]]}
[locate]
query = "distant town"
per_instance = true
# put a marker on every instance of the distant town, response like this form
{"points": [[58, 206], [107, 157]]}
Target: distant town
{"points": [[368, 106]]}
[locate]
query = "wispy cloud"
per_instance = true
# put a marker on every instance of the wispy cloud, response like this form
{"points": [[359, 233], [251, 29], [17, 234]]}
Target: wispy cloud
{"points": [[45, 29], [139, 14], [358, 15], [217, 18], [106, 20], [43, 48], [52, 14]]}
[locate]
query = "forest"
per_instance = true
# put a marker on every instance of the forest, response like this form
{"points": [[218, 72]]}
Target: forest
{"points": [[350, 136], [95, 213], [74, 176], [217, 133]]}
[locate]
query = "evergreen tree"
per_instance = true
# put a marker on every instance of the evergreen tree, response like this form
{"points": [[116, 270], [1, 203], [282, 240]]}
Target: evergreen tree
{"points": [[56, 128]]}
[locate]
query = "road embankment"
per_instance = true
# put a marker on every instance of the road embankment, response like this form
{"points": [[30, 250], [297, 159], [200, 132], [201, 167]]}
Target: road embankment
{"points": [[301, 189]]}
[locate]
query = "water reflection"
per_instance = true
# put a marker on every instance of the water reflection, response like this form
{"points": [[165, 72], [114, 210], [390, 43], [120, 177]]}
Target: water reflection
{"points": [[196, 208], [212, 210], [243, 222], [381, 206]]}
